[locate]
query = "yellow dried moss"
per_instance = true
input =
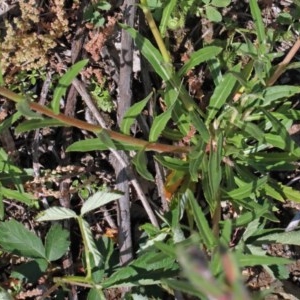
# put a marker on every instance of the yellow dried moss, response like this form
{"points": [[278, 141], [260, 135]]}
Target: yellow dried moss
{"points": [[30, 36]]}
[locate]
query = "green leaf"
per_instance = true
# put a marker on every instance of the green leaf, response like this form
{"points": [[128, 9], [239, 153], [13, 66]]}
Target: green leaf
{"points": [[258, 21], [247, 189], [15, 238], [185, 287], [150, 53], [24, 108], [30, 271], [16, 195], [132, 113], [172, 163], [282, 133], [249, 260], [106, 140], [215, 170], [159, 124], [36, 124], [64, 83], [205, 231], [220, 3], [100, 198], [96, 144], [140, 162], [56, 213], [95, 294], [199, 57], [89, 241], [148, 269], [56, 242], [9, 121], [169, 8], [213, 14], [5, 295], [274, 93], [220, 94]]}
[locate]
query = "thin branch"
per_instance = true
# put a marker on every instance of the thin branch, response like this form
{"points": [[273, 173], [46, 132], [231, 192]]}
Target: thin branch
{"points": [[281, 67], [89, 102]]}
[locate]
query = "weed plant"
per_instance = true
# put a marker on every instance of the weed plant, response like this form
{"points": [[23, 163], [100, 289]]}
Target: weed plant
{"points": [[227, 149]]}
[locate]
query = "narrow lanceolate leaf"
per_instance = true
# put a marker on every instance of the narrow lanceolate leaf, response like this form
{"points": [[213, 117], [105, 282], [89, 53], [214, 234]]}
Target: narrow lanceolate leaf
{"points": [[288, 238], [36, 124], [215, 169], [205, 231], [16, 195], [159, 124], [15, 238], [282, 133], [56, 242], [24, 108], [64, 83], [259, 24], [150, 53], [140, 162], [97, 144], [100, 198], [220, 94], [56, 213], [255, 260], [132, 113], [199, 57], [274, 93], [166, 16], [89, 240]]}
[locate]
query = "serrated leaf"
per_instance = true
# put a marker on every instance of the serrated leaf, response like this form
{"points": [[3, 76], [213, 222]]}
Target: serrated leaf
{"points": [[100, 198], [159, 124], [56, 213], [24, 108], [36, 124], [199, 57], [15, 238], [64, 83], [132, 113], [213, 14], [140, 162], [89, 240], [56, 242]]}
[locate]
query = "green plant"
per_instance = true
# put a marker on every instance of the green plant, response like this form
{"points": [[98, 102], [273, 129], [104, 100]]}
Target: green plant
{"points": [[229, 148], [101, 96], [92, 12]]}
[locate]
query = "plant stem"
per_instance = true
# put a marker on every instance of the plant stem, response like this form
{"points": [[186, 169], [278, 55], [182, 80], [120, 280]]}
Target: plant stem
{"points": [[157, 147], [86, 249], [152, 25]]}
